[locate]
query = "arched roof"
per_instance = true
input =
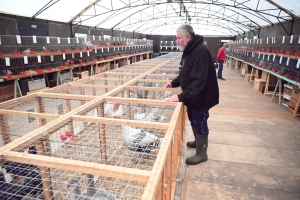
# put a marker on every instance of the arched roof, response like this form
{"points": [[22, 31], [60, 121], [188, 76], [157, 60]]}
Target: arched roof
{"points": [[208, 17]]}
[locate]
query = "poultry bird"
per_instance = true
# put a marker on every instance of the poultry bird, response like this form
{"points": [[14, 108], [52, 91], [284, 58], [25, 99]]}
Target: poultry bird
{"points": [[76, 195], [148, 117], [96, 193], [113, 110], [139, 140], [27, 51], [140, 92]]}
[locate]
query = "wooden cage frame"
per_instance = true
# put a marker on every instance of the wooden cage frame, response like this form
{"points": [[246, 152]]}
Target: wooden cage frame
{"points": [[166, 162]]}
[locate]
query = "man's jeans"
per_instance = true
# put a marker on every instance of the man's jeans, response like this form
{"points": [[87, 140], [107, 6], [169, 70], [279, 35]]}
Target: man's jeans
{"points": [[198, 119], [221, 62]]}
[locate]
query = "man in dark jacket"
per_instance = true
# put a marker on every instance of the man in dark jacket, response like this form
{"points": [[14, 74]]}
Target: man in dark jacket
{"points": [[199, 84]]}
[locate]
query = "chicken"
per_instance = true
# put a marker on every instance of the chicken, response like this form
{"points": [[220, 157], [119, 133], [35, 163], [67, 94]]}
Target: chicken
{"points": [[27, 51], [139, 140], [131, 92], [148, 117], [96, 193], [113, 110]]}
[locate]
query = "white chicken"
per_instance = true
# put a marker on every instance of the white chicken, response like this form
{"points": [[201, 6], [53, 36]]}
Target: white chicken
{"points": [[113, 110], [139, 140], [148, 117], [131, 92]]}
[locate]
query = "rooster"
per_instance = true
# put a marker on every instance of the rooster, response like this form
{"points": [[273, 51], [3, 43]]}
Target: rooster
{"points": [[148, 117], [113, 110], [139, 140]]}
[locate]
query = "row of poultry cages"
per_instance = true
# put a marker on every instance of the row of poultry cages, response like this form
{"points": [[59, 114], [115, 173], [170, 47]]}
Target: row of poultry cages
{"points": [[33, 65], [90, 155], [285, 45], [69, 142], [17, 45], [23, 115]]}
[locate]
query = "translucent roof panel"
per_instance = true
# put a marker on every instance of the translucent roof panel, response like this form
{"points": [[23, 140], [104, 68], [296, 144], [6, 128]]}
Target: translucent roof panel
{"points": [[157, 16], [55, 10]]}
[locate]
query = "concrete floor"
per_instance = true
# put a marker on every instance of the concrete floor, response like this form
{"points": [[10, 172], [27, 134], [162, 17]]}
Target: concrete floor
{"points": [[253, 150]]}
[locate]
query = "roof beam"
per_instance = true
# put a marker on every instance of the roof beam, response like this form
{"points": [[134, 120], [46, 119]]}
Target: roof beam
{"points": [[282, 8], [84, 10]]}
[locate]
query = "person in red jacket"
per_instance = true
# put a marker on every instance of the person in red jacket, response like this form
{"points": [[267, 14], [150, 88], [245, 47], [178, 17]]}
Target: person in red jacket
{"points": [[220, 59]]}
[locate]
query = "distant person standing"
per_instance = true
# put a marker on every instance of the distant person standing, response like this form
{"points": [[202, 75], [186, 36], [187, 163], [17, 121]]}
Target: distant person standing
{"points": [[205, 44], [221, 56]]}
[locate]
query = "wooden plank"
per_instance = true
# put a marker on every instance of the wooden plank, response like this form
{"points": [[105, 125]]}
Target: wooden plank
{"points": [[66, 96], [45, 173], [160, 189], [102, 135], [153, 88], [5, 136], [141, 101], [74, 85], [36, 91], [12, 103], [182, 181], [170, 162], [111, 171], [155, 81], [29, 114], [158, 166], [102, 120]]}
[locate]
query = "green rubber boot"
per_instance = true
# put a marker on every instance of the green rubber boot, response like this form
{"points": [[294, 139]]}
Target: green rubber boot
{"points": [[201, 150], [192, 144]]}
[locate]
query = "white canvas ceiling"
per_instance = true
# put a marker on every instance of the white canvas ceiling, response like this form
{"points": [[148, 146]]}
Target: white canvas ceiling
{"points": [[208, 17]]}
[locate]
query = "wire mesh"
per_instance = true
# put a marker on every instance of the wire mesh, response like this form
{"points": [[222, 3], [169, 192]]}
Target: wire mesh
{"points": [[24, 181], [110, 144], [58, 106]]}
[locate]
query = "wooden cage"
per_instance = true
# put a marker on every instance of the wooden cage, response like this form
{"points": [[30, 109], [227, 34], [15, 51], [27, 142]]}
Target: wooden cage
{"points": [[112, 132]]}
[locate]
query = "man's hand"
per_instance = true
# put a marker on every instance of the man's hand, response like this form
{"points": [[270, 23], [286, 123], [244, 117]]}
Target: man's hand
{"points": [[168, 85], [173, 98]]}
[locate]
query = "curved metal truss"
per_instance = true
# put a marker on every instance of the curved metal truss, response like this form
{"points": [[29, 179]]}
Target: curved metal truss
{"points": [[236, 16], [189, 12]]}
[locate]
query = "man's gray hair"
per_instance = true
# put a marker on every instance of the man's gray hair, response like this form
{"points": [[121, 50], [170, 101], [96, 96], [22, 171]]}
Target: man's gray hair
{"points": [[186, 30]]}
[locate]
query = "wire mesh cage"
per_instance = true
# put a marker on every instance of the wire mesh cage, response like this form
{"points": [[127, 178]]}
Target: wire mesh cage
{"points": [[29, 113], [19, 181], [148, 90], [121, 146], [78, 89]]}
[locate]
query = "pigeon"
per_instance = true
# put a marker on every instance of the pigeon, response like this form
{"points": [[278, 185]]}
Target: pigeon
{"points": [[27, 51], [139, 140], [96, 193], [44, 49], [148, 117], [77, 195]]}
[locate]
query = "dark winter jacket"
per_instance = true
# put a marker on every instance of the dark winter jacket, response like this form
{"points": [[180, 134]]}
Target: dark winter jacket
{"points": [[197, 77]]}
